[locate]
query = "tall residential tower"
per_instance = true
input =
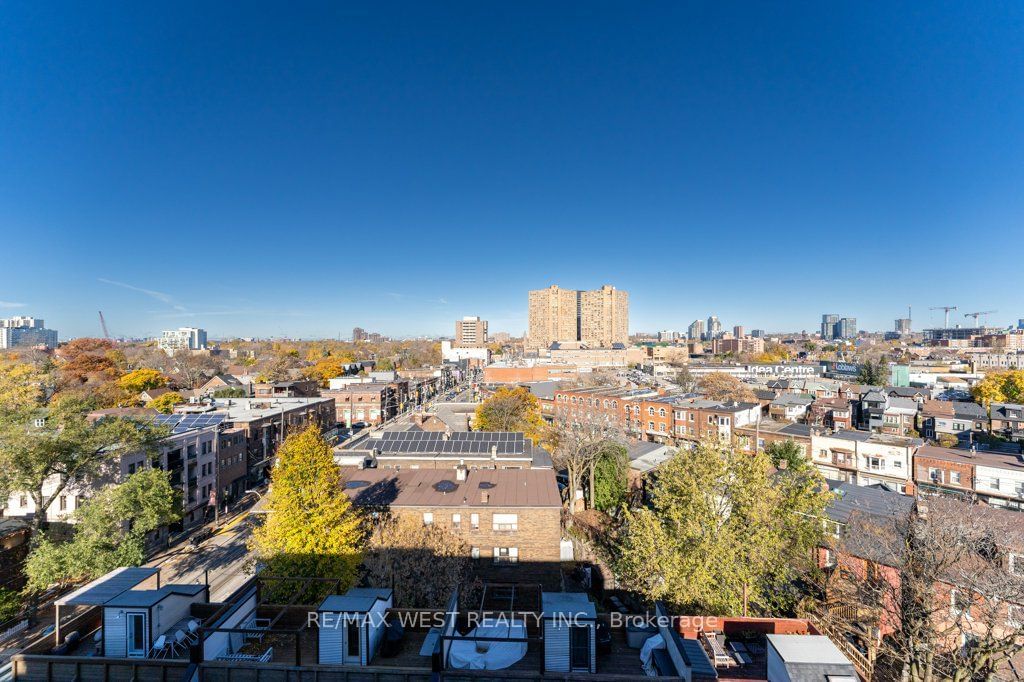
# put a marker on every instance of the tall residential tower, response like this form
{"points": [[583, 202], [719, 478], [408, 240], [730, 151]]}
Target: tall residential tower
{"points": [[597, 317]]}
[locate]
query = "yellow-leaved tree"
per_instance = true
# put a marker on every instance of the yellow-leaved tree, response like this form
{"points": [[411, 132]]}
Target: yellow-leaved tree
{"points": [[311, 529], [1000, 387], [510, 409], [142, 380]]}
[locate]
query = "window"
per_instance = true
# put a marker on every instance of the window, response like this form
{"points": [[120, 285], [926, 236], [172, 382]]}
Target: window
{"points": [[875, 463], [23, 501], [650, 426], [661, 412], [39, 422], [505, 522], [959, 603], [650, 411], [474, 521], [474, 553], [428, 518], [63, 502], [456, 521], [506, 555], [829, 558], [935, 475], [661, 427], [954, 477]]}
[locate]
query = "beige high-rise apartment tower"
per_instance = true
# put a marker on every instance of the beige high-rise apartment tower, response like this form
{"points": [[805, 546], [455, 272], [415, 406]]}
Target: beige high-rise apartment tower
{"points": [[598, 317], [470, 332]]}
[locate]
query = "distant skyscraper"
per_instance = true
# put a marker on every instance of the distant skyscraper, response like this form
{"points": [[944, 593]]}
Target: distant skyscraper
{"points": [[846, 328], [470, 331], [757, 333], [358, 334], [714, 328], [668, 335], [183, 338], [737, 331], [695, 332], [828, 326], [26, 332], [597, 317], [903, 325]]}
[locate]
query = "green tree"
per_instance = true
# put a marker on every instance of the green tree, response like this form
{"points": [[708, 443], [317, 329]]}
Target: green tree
{"points": [[611, 477], [510, 409], [68, 448], [722, 532], [142, 380], [110, 531], [874, 372], [165, 403], [788, 451], [312, 529]]}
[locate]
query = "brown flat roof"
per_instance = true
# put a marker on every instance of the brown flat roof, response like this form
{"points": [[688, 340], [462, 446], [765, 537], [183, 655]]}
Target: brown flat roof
{"points": [[985, 458], [419, 487]]}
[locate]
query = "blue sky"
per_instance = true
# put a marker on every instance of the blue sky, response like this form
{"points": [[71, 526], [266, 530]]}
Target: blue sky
{"points": [[298, 169]]}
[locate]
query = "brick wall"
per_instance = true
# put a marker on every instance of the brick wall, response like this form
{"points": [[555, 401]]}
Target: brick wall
{"points": [[537, 536]]}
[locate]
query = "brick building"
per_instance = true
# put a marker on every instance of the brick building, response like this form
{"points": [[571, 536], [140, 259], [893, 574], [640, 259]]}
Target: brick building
{"points": [[506, 517], [994, 478], [523, 373], [365, 403], [835, 414]]}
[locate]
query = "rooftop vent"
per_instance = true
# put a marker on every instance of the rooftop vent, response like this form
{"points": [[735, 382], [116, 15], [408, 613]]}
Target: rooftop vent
{"points": [[485, 485], [354, 485]]}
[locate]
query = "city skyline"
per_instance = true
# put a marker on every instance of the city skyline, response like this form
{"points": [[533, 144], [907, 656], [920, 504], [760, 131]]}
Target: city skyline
{"points": [[168, 167]]}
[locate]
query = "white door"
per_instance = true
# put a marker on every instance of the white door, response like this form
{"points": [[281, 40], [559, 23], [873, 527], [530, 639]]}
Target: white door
{"points": [[136, 635]]}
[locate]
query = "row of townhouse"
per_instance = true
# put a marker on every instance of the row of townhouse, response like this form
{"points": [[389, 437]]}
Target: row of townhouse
{"points": [[648, 415]]}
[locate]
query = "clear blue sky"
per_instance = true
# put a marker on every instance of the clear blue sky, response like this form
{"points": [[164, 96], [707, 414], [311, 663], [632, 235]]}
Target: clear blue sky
{"points": [[282, 169]]}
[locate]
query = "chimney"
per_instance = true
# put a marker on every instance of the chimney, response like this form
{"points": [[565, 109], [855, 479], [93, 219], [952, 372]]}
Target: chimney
{"points": [[484, 497], [494, 452]]}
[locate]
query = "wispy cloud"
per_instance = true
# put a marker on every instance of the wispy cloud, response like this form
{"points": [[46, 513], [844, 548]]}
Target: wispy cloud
{"points": [[11, 304], [152, 293], [417, 299], [224, 313]]}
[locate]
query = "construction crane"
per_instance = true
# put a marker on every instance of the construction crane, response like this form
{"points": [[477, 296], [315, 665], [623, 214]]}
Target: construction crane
{"points": [[103, 323], [979, 314], [946, 308]]}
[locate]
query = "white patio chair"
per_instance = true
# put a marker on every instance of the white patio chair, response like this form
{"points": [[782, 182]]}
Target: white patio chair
{"points": [[180, 642], [159, 649], [193, 632]]}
